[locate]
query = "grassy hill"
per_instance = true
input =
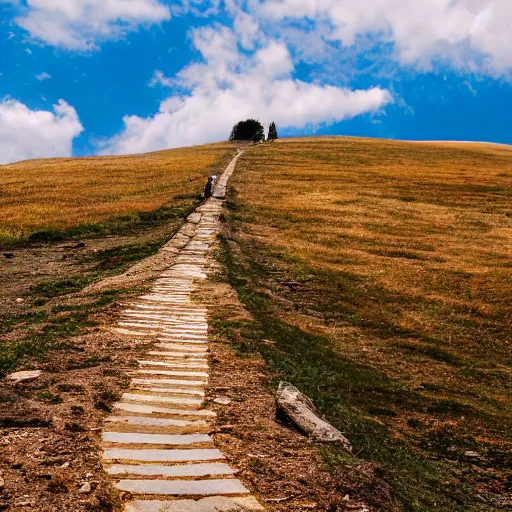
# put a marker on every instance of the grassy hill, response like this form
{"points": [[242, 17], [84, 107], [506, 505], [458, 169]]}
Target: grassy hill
{"points": [[378, 275], [54, 198], [383, 273]]}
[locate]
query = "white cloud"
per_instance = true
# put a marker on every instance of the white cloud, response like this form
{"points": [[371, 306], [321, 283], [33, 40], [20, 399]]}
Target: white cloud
{"points": [[80, 24], [229, 86], [43, 76], [469, 34], [26, 134]]}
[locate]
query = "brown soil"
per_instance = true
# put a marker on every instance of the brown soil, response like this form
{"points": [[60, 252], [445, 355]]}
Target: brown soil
{"points": [[50, 428]]}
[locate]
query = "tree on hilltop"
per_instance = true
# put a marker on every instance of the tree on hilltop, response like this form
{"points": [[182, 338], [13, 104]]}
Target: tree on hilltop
{"points": [[272, 132], [248, 130]]}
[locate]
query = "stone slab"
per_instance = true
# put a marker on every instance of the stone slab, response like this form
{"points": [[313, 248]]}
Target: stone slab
{"points": [[184, 365], [194, 349], [138, 438], [151, 455], [154, 422], [184, 470], [161, 399], [169, 382], [169, 390], [183, 487], [177, 355], [171, 373], [153, 409]]}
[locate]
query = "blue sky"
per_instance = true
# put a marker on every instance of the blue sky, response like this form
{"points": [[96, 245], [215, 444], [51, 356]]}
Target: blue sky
{"points": [[87, 77]]}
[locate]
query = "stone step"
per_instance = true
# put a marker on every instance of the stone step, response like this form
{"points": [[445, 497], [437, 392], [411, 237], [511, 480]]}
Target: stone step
{"points": [[228, 486], [168, 390], [154, 422], [154, 409], [174, 365], [182, 471], [155, 455], [194, 349], [189, 385], [178, 355], [163, 439], [211, 504], [172, 373], [173, 339], [132, 397]]}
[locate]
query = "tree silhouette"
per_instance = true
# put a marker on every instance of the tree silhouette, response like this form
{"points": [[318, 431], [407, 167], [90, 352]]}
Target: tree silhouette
{"points": [[272, 132], [248, 130]]}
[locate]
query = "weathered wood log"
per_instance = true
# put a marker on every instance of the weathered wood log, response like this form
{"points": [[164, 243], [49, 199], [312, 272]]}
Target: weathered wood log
{"points": [[294, 407]]}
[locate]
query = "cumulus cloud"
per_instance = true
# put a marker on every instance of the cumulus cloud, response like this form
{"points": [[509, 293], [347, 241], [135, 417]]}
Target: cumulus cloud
{"points": [[469, 34], [80, 24], [231, 85], [26, 134], [43, 76]]}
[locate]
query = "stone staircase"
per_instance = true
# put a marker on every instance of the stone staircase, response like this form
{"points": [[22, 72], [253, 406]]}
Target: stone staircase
{"points": [[155, 443]]}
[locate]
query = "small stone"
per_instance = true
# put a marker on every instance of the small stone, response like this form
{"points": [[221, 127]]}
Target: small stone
{"points": [[89, 475], [26, 376], [85, 489], [65, 465], [471, 454], [222, 400], [20, 300]]}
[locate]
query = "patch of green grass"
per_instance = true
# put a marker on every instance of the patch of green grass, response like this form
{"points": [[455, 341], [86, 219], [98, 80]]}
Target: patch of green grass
{"points": [[58, 287]]}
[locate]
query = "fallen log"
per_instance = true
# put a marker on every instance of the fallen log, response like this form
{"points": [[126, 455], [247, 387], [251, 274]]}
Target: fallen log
{"points": [[294, 407]]}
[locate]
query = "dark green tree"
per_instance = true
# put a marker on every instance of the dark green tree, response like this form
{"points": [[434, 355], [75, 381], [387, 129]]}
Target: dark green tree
{"points": [[248, 130], [272, 132]]}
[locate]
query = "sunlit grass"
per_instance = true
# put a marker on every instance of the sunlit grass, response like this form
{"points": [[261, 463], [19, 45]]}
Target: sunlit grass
{"points": [[58, 194], [399, 256]]}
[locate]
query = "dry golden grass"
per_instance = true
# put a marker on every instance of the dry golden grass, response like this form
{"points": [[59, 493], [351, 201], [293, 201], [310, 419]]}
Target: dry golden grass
{"points": [[62, 193], [402, 256]]}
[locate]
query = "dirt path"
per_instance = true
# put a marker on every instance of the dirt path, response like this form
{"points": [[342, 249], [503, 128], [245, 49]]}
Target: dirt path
{"points": [[156, 444]]}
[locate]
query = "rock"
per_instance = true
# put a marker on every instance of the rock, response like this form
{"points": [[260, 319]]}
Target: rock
{"points": [[86, 488], [89, 475], [26, 376], [296, 408], [222, 400], [471, 454], [20, 300]]}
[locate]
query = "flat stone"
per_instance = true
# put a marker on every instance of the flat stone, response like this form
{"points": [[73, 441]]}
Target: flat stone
{"points": [[161, 399], [171, 373], [171, 391], [191, 365], [25, 376], [152, 409], [222, 400], [183, 487], [195, 349], [170, 382], [138, 438], [174, 339], [151, 455], [186, 470], [154, 422], [177, 355]]}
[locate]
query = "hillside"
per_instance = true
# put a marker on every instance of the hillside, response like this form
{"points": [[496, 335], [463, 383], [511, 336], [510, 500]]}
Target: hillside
{"points": [[84, 196], [382, 272], [373, 275]]}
